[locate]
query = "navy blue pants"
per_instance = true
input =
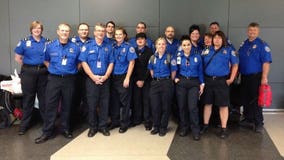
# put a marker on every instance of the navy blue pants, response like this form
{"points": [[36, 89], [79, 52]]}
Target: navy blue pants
{"points": [[33, 81], [187, 94], [249, 89], [98, 96], [120, 102], [161, 92], [59, 89]]}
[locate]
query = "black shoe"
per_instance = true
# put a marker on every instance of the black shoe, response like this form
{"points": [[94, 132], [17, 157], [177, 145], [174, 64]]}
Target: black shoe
{"points": [[148, 127], [41, 139], [105, 132], [92, 132], [162, 132], [122, 129], [155, 131], [67, 134], [204, 129], [196, 137], [113, 126], [183, 133], [22, 131], [223, 134], [245, 123], [259, 129]]}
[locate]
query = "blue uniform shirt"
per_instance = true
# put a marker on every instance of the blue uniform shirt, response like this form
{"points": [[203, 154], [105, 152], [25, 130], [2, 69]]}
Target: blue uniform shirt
{"points": [[162, 67], [190, 66], [122, 55], [220, 64], [97, 56], [78, 41], [62, 60], [31, 50], [110, 41], [173, 47], [196, 49], [253, 55], [149, 43]]}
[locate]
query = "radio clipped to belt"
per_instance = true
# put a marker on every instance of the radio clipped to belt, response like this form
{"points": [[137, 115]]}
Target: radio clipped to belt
{"points": [[265, 96]]}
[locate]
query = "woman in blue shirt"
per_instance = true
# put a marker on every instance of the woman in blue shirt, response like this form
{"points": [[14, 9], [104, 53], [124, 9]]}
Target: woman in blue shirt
{"points": [[189, 86]]}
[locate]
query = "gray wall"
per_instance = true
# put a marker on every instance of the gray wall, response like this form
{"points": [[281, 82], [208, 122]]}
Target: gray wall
{"points": [[233, 15]]}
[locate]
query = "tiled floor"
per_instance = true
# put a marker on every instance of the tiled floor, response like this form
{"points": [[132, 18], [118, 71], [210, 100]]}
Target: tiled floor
{"points": [[137, 143]]}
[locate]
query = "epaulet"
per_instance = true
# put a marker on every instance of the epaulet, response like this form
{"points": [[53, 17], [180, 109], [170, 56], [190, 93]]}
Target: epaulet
{"points": [[47, 39], [263, 42], [73, 39], [26, 38], [50, 41], [242, 43]]}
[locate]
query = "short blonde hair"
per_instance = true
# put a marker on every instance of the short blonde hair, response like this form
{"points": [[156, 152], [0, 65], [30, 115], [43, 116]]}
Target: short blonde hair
{"points": [[34, 24], [160, 39], [64, 24]]}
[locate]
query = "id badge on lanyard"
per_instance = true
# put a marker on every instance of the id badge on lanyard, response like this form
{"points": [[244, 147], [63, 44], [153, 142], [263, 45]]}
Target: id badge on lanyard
{"points": [[99, 64], [64, 61]]}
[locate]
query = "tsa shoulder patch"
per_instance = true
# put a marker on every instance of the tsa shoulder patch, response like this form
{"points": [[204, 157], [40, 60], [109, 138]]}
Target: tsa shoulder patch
{"points": [[131, 50], [19, 43], [233, 53], [173, 62], [267, 49]]}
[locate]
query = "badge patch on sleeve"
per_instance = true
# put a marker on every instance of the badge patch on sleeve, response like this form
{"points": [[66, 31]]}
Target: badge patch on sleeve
{"points": [[18, 45], [233, 53], [267, 49], [132, 50], [173, 62]]}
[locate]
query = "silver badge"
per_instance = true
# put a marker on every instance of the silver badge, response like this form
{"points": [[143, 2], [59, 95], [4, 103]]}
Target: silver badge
{"points": [[106, 49], [71, 50], [225, 52], [195, 59], [206, 51], [83, 49], [254, 46], [123, 50]]}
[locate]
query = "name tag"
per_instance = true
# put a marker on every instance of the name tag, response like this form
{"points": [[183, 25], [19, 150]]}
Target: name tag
{"points": [[64, 61]]}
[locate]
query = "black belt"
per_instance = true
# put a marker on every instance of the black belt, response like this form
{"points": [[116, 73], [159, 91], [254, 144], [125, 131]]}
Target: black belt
{"points": [[253, 74], [216, 77], [160, 78], [39, 66], [62, 75], [185, 77], [118, 75]]}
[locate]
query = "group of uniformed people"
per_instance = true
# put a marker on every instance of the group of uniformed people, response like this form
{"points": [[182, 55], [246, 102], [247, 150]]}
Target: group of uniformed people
{"points": [[126, 83]]}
